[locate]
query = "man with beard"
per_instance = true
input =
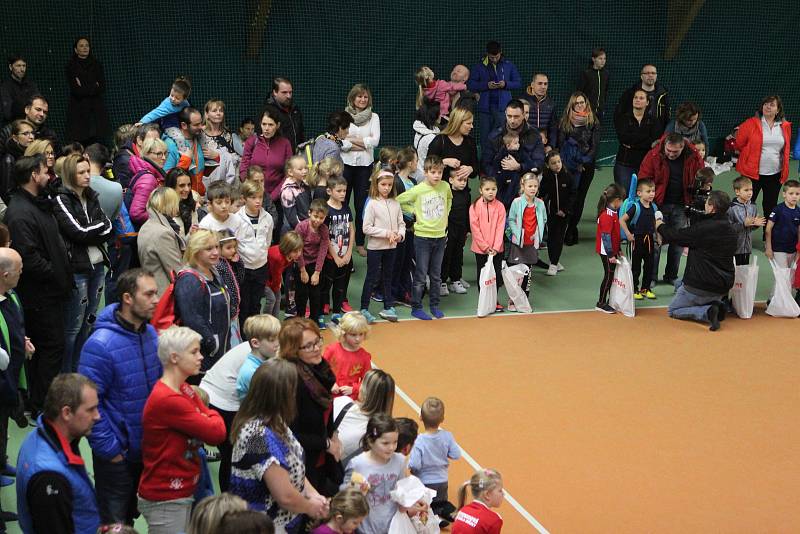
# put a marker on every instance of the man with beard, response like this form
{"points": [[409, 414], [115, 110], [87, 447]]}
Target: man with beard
{"points": [[291, 118], [187, 153], [657, 98], [531, 149]]}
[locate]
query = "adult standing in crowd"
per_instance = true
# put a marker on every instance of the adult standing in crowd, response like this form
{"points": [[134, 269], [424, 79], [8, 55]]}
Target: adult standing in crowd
{"points": [[301, 344], [133, 147], [268, 468], [187, 153], [287, 114], [688, 122], [763, 142], [542, 116], [176, 423], [357, 154], [456, 146], [329, 144], [16, 89], [189, 210], [493, 78], [121, 358], [270, 150], [160, 244], [578, 139], [657, 97], [217, 143], [531, 148], [46, 282], [87, 116], [636, 132], [86, 230], [35, 111], [672, 164], [45, 148], [594, 83], [20, 140], [54, 491], [109, 192], [426, 128], [148, 171]]}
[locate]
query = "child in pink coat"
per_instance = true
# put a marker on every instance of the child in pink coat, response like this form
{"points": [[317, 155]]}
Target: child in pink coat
{"points": [[487, 221], [437, 90]]}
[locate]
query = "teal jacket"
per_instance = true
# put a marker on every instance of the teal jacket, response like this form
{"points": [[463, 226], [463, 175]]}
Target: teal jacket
{"points": [[514, 220]]}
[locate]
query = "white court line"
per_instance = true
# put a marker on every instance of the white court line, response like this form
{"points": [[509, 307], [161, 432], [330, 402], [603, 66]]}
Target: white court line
{"points": [[475, 465]]}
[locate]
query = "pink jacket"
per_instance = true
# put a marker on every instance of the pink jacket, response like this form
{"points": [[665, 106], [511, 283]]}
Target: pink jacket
{"points": [[440, 91], [487, 221], [271, 155], [144, 185]]}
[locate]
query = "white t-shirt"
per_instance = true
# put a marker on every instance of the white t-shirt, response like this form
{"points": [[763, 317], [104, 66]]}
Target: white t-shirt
{"points": [[220, 380], [352, 427]]}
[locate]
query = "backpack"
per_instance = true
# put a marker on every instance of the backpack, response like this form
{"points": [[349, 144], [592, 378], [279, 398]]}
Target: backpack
{"points": [[123, 228], [127, 194], [307, 149], [632, 201], [164, 316]]}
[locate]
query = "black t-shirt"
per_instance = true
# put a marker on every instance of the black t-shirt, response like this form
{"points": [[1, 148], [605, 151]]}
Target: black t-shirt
{"points": [[646, 224], [338, 222], [674, 194]]}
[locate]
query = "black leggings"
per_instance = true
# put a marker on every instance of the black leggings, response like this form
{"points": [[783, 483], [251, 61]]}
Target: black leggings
{"points": [[587, 175], [771, 186], [557, 226], [608, 278]]}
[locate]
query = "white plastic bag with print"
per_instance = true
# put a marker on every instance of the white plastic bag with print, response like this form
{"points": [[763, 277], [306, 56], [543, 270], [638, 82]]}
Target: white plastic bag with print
{"points": [[782, 303], [408, 492], [621, 296], [743, 292], [512, 279], [487, 296]]}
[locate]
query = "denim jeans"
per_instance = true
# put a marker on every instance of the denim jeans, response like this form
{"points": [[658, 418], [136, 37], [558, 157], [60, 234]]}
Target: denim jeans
{"points": [[79, 315], [429, 252], [272, 303], [120, 262], [380, 265], [674, 217], [687, 305], [116, 485], [623, 175], [166, 517]]}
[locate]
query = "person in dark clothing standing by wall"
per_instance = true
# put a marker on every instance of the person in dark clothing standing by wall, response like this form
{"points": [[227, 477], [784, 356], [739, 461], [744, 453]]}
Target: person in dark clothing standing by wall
{"points": [[16, 89], [657, 98], [87, 116], [291, 119], [594, 82]]}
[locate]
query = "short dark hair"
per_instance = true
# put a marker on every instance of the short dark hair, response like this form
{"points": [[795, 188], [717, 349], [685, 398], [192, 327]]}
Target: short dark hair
{"points": [[674, 138], [318, 205], [65, 390], [129, 281], [790, 183], [33, 98], [493, 47], [428, 112], [720, 200], [705, 175], [97, 154], [246, 121], [516, 103], [277, 81], [338, 120], [25, 166], [407, 430], [335, 181], [217, 190], [14, 57], [142, 130], [185, 115], [597, 52]]}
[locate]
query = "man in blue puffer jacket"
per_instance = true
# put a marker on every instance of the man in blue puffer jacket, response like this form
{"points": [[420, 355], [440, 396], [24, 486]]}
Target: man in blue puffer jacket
{"points": [[121, 357], [494, 78]]}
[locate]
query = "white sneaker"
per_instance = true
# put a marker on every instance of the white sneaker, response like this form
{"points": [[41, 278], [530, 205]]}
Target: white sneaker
{"points": [[457, 287], [443, 292], [552, 270], [560, 267], [464, 283]]}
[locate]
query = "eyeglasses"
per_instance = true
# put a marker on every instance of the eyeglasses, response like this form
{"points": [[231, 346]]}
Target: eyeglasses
{"points": [[313, 345], [159, 154], [49, 154]]}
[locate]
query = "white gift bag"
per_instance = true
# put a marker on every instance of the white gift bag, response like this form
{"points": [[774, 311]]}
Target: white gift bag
{"points": [[621, 296], [512, 279], [487, 297], [407, 493], [782, 303], [743, 292]]}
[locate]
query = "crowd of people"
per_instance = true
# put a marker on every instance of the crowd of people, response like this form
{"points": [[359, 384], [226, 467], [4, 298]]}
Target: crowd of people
{"points": [[199, 239]]}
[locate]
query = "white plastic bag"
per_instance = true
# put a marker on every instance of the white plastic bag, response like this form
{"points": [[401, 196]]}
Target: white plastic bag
{"points": [[512, 279], [782, 303], [407, 493], [621, 296], [487, 297], [743, 292]]}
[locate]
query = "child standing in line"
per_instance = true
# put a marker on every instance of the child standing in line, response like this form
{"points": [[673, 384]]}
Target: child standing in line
{"points": [[383, 223], [219, 207], [261, 332], [487, 221], [782, 227], [256, 174], [166, 114], [457, 230], [376, 472], [478, 517], [324, 170], [231, 270], [743, 215], [440, 91], [316, 240], [556, 192], [526, 220], [348, 509], [430, 203], [607, 240], [339, 263], [293, 202], [404, 255], [639, 225], [433, 449], [348, 360], [280, 256]]}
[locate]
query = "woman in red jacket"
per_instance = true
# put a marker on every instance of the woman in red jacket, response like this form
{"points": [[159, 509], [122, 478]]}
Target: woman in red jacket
{"points": [[763, 143], [176, 423]]}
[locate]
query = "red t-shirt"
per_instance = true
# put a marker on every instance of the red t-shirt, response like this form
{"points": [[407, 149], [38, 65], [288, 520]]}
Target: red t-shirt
{"points": [[276, 264], [608, 223], [477, 518], [529, 224], [175, 425], [349, 367]]}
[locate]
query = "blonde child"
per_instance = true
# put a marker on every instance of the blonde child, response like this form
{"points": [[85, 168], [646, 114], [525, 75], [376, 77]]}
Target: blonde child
{"points": [[486, 486], [295, 205], [527, 218], [782, 227], [487, 221], [348, 509], [607, 243], [639, 226], [166, 114], [376, 471], [231, 270], [256, 174], [433, 450], [440, 91], [387, 159], [383, 223], [261, 333], [322, 171], [348, 360]]}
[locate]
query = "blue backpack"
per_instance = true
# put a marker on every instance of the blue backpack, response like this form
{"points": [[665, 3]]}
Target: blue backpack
{"points": [[632, 201]]}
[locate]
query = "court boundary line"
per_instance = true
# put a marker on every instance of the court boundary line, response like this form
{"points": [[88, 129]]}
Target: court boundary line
{"points": [[475, 465]]}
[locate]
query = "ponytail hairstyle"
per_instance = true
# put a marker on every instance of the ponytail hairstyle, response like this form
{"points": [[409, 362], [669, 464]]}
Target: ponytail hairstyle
{"points": [[377, 176], [484, 180], [609, 194], [378, 425], [326, 168], [424, 76], [387, 159], [405, 156], [482, 481], [183, 84]]}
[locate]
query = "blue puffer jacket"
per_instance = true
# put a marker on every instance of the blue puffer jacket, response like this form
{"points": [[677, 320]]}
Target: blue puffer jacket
{"points": [[124, 364], [485, 72]]}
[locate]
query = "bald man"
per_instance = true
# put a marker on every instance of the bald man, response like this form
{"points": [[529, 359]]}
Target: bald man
{"points": [[465, 98]]}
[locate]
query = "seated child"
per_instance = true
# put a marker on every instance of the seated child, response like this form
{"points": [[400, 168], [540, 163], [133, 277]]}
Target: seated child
{"points": [[261, 332], [433, 449], [166, 114], [348, 360]]}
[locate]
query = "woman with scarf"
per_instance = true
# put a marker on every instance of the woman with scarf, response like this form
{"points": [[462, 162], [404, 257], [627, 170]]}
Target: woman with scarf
{"points": [[189, 211], [357, 156], [160, 243], [578, 139], [301, 344], [87, 116], [687, 123]]}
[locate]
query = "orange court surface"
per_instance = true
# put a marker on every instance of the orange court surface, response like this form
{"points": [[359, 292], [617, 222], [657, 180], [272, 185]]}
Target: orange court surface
{"points": [[604, 424]]}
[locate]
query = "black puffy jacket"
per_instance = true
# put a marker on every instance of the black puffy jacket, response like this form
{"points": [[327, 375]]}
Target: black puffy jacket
{"points": [[13, 151], [82, 227]]}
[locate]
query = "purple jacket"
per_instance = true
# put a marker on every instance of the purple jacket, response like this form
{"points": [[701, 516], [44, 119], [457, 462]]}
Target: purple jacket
{"points": [[270, 155]]}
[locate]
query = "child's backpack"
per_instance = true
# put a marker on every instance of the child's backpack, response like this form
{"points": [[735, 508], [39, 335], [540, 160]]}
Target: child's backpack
{"points": [[164, 316], [632, 201], [123, 228], [307, 149], [127, 194]]}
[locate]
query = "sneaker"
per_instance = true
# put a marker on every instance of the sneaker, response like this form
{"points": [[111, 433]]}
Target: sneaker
{"points": [[498, 308], [346, 306], [443, 292], [464, 283], [336, 317], [552, 270], [649, 294], [560, 267], [457, 287], [5, 481], [8, 470], [8, 517], [713, 317], [405, 301], [377, 297], [389, 314], [291, 311], [511, 306], [321, 323], [368, 316], [638, 295], [436, 312], [212, 455], [604, 307], [420, 314]]}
